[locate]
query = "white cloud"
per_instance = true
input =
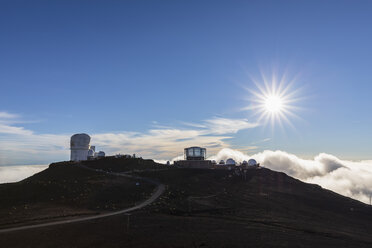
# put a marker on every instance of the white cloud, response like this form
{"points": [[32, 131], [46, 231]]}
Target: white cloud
{"points": [[10, 174], [218, 125], [224, 125], [20, 146], [227, 153], [33, 148], [349, 178], [158, 143], [6, 127], [6, 115]]}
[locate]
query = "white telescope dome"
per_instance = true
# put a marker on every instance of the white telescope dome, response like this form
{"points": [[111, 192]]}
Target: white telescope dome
{"points": [[230, 161], [252, 162]]}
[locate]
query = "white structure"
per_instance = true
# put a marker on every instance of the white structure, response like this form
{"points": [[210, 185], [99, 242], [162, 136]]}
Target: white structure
{"points": [[81, 149], [230, 161], [100, 154], [252, 162], [79, 145], [92, 152]]}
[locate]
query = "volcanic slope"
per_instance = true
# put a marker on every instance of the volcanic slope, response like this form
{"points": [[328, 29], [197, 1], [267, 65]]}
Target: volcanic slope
{"points": [[217, 208], [68, 190]]}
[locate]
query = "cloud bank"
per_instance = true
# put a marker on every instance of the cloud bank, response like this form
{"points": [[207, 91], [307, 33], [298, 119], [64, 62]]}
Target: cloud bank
{"points": [[349, 178], [19, 146], [10, 174]]}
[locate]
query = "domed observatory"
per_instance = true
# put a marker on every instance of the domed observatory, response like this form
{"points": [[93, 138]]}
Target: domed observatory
{"points": [[230, 162], [253, 163], [79, 145], [195, 153], [101, 154]]}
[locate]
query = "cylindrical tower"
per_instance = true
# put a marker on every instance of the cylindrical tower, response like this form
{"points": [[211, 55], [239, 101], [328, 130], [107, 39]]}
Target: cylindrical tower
{"points": [[79, 146]]}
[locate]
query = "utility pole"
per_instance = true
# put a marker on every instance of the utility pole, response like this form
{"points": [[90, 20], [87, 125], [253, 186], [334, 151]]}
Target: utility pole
{"points": [[127, 214]]}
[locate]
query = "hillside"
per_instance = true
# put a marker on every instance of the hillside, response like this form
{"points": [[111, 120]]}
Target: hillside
{"points": [[209, 208], [269, 206], [66, 190]]}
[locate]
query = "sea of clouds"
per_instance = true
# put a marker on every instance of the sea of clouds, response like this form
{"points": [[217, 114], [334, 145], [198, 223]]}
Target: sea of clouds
{"points": [[19, 145], [10, 174], [349, 178]]}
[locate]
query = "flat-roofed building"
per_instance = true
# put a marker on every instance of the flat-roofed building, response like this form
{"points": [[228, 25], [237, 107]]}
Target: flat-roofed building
{"points": [[194, 157], [195, 153]]}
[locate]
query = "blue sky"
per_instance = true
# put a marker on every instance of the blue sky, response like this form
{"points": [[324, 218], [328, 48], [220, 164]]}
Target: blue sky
{"points": [[135, 73]]}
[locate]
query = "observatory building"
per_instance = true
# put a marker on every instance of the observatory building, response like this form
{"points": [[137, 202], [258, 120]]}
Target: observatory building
{"points": [[253, 163], [230, 162], [79, 145], [195, 153], [194, 157], [81, 149]]}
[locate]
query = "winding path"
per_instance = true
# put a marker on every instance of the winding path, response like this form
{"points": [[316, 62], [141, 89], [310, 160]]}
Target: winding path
{"points": [[160, 188]]}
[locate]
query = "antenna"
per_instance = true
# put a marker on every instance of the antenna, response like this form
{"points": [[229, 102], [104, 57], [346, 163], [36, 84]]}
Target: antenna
{"points": [[128, 215]]}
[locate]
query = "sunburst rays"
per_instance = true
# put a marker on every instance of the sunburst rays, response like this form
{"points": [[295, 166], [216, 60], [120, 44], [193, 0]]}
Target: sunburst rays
{"points": [[274, 100]]}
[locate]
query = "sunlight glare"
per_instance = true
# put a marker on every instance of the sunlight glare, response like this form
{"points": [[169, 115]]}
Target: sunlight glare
{"points": [[273, 104], [274, 101]]}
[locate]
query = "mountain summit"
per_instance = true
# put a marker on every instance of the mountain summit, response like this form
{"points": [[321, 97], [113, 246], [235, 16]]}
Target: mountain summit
{"points": [[199, 208]]}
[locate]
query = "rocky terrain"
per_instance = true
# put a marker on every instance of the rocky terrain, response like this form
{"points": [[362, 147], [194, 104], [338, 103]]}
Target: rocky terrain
{"points": [[200, 208]]}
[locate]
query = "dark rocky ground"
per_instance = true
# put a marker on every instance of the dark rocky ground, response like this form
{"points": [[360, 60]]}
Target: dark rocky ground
{"points": [[204, 208], [66, 190]]}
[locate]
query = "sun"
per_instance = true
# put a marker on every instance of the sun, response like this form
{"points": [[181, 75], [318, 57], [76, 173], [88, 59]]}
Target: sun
{"points": [[274, 101], [273, 104]]}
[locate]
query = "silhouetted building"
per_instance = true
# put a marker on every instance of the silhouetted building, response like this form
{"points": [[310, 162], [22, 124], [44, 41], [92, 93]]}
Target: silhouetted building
{"points": [[195, 153], [194, 157]]}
